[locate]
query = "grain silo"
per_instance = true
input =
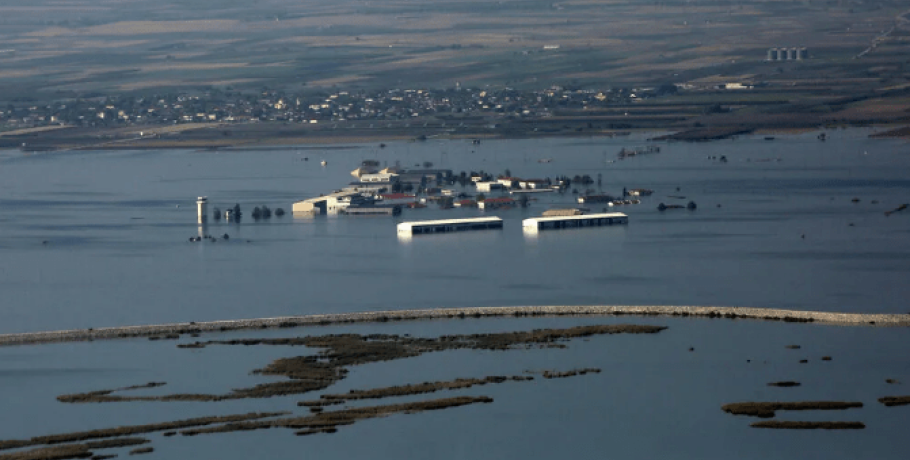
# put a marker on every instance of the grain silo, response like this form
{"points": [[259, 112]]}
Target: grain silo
{"points": [[772, 54], [202, 209], [791, 54], [803, 53]]}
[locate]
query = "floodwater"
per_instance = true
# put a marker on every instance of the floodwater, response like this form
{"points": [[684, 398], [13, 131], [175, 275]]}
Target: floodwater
{"points": [[93, 239], [653, 399]]}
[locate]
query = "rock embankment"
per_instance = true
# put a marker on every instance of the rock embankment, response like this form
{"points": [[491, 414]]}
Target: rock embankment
{"points": [[849, 319]]}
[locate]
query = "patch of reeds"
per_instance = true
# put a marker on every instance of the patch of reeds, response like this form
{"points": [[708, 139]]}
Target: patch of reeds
{"points": [[67, 451], [767, 409], [895, 400], [132, 430], [328, 422], [412, 389], [338, 351], [788, 425], [571, 373]]}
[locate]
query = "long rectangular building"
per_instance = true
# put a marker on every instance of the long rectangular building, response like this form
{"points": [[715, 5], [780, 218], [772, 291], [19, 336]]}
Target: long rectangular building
{"points": [[584, 220], [449, 225]]}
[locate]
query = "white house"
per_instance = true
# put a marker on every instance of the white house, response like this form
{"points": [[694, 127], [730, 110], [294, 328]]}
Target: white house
{"points": [[533, 184], [488, 186]]}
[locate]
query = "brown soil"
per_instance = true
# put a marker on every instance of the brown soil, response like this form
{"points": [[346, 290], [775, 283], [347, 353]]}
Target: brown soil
{"points": [[704, 134], [131, 430], [767, 409], [895, 400], [786, 383], [318, 372], [328, 422], [786, 425]]}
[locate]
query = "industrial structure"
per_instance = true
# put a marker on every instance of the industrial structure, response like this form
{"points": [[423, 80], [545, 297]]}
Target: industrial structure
{"points": [[584, 220], [787, 54], [202, 209], [449, 225]]}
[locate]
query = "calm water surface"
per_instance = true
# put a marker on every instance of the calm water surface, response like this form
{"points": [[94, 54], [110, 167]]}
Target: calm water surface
{"points": [[653, 399], [91, 239], [117, 250]]}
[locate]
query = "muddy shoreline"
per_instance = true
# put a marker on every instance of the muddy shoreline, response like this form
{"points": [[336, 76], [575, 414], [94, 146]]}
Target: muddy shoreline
{"points": [[152, 330]]}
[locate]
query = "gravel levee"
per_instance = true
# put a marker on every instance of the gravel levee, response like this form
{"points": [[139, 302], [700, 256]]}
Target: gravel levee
{"points": [[158, 330]]}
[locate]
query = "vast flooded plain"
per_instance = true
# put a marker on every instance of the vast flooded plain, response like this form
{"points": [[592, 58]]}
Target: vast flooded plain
{"points": [[95, 239]]}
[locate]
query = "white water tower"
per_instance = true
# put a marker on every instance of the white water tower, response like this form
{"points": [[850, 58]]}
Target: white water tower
{"points": [[202, 209]]}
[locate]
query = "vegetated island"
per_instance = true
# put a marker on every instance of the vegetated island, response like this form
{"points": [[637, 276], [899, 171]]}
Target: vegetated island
{"points": [[339, 352], [767, 409], [316, 372], [791, 425], [895, 400]]}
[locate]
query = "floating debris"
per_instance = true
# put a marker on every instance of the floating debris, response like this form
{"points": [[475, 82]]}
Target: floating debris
{"points": [[897, 209], [142, 450], [786, 383]]}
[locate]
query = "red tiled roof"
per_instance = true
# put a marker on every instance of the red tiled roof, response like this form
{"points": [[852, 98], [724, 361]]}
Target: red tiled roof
{"points": [[396, 196]]}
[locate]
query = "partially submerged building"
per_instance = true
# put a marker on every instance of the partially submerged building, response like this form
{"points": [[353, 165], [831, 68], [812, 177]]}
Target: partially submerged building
{"points": [[449, 225], [495, 203], [584, 220]]}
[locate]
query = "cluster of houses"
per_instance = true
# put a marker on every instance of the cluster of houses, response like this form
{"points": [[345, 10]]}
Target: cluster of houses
{"points": [[387, 190], [314, 107]]}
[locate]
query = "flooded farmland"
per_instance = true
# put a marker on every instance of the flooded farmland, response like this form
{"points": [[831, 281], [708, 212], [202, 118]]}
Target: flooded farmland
{"points": [[100, 239]]}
